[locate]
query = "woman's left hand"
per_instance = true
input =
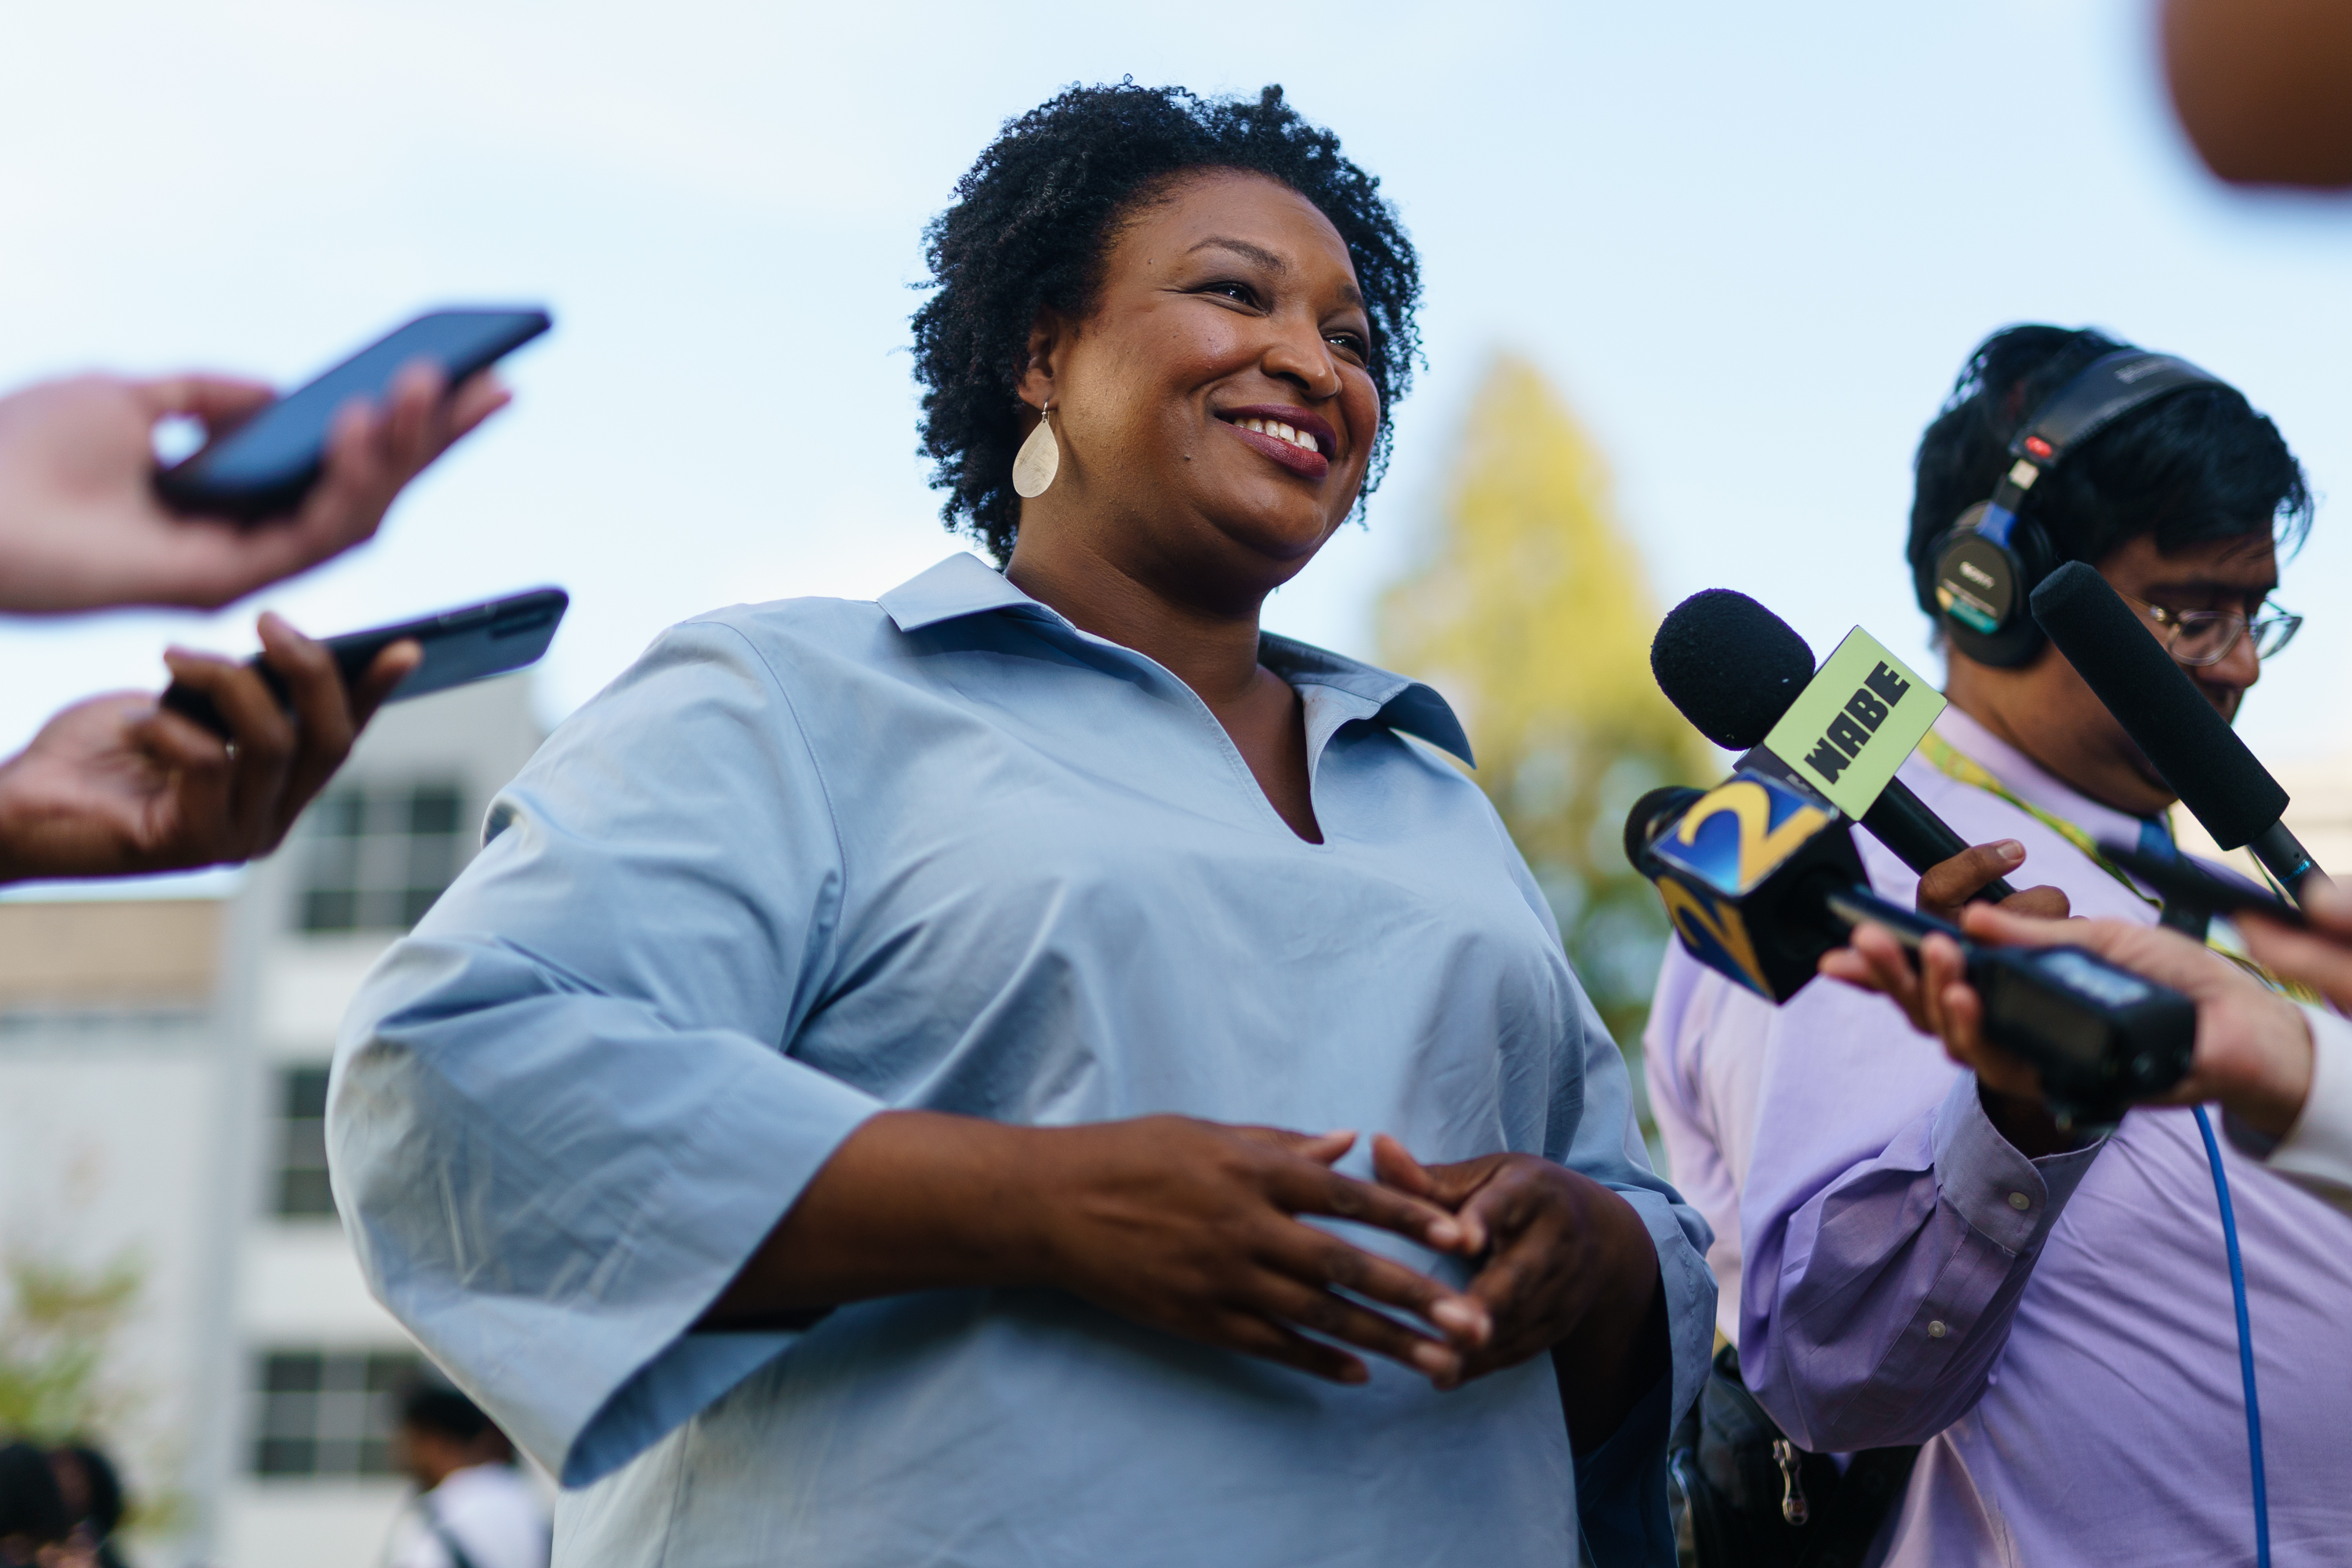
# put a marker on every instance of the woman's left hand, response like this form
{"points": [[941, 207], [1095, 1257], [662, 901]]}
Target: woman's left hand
{"points": [[1567, 1263]]}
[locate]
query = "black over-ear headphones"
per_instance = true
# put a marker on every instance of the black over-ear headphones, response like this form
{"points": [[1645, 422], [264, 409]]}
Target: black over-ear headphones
{"points": [[1991, 560]]}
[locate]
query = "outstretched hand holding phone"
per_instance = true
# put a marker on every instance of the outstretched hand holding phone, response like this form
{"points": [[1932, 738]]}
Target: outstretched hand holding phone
{"points": [[119, 785], [81, 526]]}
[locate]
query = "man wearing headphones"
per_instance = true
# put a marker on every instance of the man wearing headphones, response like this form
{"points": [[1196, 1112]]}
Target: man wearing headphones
{"points": [[1928, 1260]]}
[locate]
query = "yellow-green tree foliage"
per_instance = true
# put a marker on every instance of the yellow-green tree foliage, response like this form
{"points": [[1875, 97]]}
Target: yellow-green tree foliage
{"points": [[1531, 613], [58, 1383], [58, 1324]]}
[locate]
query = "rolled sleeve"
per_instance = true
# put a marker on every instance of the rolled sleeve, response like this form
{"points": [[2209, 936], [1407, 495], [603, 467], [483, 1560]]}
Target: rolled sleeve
{"points": [[2010, 1200], [555, 1138], [1897, 1283]]}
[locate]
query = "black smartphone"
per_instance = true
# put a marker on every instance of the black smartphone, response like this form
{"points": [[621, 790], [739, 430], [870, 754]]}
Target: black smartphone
{"points": [[2182, 880], [470, 644], [266, 465]]}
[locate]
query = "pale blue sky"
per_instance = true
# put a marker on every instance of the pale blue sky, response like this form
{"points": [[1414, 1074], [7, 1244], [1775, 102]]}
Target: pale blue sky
{"points": [[1751, 244]]}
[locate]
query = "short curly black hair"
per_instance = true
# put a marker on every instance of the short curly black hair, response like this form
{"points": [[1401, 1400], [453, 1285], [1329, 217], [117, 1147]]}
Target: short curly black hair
{"points": [[1031, 222]]}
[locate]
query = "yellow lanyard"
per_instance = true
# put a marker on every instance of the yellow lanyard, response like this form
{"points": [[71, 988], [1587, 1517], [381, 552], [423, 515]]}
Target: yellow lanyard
{"points": [[1949, 761], [1956, 764]]}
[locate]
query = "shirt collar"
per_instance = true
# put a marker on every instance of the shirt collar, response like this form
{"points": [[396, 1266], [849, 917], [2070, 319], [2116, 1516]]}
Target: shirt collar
{"points": [[2035, 785], [963, 584]]}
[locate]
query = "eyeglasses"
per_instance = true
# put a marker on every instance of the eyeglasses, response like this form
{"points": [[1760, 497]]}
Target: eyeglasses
{"points": [[2201, 638]]}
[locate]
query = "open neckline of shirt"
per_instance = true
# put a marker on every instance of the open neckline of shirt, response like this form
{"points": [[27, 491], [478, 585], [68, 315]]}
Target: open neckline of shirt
{"points": [[1235, 763], [963, 585]]}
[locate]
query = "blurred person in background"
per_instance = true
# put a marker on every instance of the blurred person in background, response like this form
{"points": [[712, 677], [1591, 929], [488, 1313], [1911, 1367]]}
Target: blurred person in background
{"points": [[92, 1491], [114, 785], [34, 1522], [871, 1100], [474, 1507]]}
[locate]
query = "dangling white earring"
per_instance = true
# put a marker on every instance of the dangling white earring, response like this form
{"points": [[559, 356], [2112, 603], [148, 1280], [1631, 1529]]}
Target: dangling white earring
{"points": [[1039, 459]]}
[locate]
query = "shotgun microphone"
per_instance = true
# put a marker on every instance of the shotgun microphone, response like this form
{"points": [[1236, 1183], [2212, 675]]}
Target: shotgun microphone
{"points": [[1733, 668], [2181, 733]]}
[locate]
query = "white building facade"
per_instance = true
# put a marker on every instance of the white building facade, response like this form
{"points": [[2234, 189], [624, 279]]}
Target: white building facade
{"points": [[162, 1079]]}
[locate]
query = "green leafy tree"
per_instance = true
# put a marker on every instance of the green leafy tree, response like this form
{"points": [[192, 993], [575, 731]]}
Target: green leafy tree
{"points": [[57, 1378], [59, 1324], [1532, 614]]}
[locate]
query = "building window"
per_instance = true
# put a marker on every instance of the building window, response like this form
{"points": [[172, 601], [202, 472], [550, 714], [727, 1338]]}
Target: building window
{"points": [[329, 1413], [378, 857], [301, 1190]]}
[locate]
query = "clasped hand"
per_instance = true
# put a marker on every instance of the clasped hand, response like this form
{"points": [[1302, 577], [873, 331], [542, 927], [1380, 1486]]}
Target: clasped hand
{"points": [[1199, 1229], [1236, 1267]]}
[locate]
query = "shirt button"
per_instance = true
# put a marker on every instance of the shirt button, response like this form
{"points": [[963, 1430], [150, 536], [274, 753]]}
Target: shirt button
{"points": [[2020, 1202], [1935, 1330]]}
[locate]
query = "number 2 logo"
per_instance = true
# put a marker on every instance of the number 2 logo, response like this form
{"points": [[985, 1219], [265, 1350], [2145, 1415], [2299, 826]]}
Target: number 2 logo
{"points": [[1713, 933], [1761, 844]]}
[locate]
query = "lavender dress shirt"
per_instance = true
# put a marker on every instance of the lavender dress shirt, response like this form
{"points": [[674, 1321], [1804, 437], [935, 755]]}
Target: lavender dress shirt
{"points": [[1702, 1055], [2057, 1332]]}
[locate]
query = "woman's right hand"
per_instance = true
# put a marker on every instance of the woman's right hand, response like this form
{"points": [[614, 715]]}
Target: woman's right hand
{"points": [[1187, 1226], [1191, 1227]]}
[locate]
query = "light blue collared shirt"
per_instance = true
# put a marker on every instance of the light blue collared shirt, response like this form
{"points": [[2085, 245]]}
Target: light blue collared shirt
{"points": [[815, 860]]}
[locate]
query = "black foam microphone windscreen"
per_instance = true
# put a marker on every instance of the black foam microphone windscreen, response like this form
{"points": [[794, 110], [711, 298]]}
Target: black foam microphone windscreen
{"points": [[2159, 706], [1732, 668], [1730, 665]]}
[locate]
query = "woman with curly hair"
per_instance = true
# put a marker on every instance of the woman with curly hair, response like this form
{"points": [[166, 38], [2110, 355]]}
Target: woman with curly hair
{"points": [[895, 1085]]}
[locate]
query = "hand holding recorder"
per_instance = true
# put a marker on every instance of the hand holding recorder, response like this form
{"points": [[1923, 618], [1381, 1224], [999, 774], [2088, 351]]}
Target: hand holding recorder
{"points": [[2316, 950], [1763, 885], [2252, 1050], [2308, 942]]}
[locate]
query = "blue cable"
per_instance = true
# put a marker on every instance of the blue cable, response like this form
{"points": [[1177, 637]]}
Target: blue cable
{"points": [[2246, 1344]]}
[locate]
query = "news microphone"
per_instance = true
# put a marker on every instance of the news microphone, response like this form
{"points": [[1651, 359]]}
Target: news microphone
{"points": [[2182, 734], [1735, 670], [1746, 869], [1759, 881]]}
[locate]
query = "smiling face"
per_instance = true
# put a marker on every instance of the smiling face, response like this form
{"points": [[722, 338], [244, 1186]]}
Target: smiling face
{"points": [[1215, 411]]}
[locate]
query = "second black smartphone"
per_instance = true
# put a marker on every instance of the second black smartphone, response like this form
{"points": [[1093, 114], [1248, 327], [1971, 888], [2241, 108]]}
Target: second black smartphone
{"points": [[266, 466], [2180, 880], [469, 644]]}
